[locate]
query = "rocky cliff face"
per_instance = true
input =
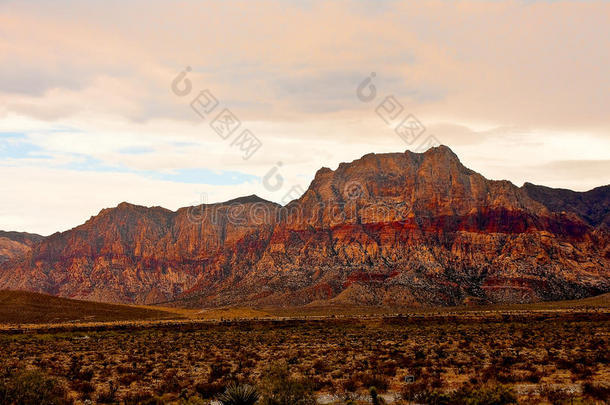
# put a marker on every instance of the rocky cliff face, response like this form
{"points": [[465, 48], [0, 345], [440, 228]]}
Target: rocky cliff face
{"points": [[16, 244], [137, 254], [396, 229]]}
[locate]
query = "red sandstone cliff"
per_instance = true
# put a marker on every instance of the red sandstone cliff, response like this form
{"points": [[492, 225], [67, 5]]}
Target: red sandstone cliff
{"points": [[402, 228]]}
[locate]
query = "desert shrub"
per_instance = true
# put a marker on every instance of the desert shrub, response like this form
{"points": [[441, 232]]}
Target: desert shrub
{"points": [[279, 388], [320, 366], [496, 394], [534, 376], [108, 395], [218, 371], [209, 390], [508, 360], [32, 388], [420, 354], [506, 377], [84, 387], [171, 382], [77, 372], [318, 383], [127, 379], [555, 395], [375, 398], [596, 390], [374, 380], [86, 374], [389, 368], [425, 385], [489, 373], [141, 397], [194, 400], [239, 395], [434, 397], [414, 392], [350, 385]]}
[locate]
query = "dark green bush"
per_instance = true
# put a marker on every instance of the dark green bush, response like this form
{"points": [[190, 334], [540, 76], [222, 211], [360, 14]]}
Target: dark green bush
{"points": [[375, 398], [32, 388], [218, 370], [494, 394], [596, 390], [209, 390], [279, 388]]}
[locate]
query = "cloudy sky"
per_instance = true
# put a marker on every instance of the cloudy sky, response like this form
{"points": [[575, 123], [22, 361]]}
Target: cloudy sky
{"points": [[92, 112]]}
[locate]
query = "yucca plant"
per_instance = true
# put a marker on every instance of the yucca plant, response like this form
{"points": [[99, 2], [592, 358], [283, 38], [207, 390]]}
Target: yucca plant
{"points": [[239, 395], [375, 398]]}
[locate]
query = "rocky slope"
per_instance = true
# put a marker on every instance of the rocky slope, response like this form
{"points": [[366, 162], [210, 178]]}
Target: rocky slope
{"points": [[592, 206], [16, 244], [394, 229]]}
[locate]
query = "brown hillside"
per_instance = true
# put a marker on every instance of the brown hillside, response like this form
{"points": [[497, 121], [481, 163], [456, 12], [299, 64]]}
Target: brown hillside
{"points": [[28, 307]]}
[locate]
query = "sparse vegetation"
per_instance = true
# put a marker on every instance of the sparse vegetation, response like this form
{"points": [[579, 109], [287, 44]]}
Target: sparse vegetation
{"points": [[532, 357], [280, 388], [32, 388]]}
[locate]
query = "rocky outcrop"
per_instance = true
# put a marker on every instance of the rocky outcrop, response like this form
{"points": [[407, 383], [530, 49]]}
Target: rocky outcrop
{"points": [[16, 244], [393, 229]]}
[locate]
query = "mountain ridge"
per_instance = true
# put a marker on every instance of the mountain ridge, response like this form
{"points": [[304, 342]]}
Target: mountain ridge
{"points": [[591, 205], [405, 228]]}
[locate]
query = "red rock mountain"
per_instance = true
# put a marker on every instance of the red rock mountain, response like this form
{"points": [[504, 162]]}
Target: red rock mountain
{"points": [[15, 244], [396, 229]]}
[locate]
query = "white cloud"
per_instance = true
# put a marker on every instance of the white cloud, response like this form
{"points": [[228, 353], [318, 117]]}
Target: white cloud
{"points": [[511, 86]]}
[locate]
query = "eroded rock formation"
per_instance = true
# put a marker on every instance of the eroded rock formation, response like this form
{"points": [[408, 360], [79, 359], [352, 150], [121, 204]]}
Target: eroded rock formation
{"points": [[394, 229]]}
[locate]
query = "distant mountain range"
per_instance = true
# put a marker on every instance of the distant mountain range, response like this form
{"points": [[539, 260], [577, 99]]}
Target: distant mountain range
{"points": [[386, 229]]}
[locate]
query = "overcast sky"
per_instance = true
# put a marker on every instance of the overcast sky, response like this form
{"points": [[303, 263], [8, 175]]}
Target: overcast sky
{"points": [[520, 90]]}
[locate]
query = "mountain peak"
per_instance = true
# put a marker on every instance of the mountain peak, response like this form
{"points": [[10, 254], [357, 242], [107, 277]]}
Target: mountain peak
{"points": [[438, 151], [248, 199], [378, 176], [126, 205]]}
